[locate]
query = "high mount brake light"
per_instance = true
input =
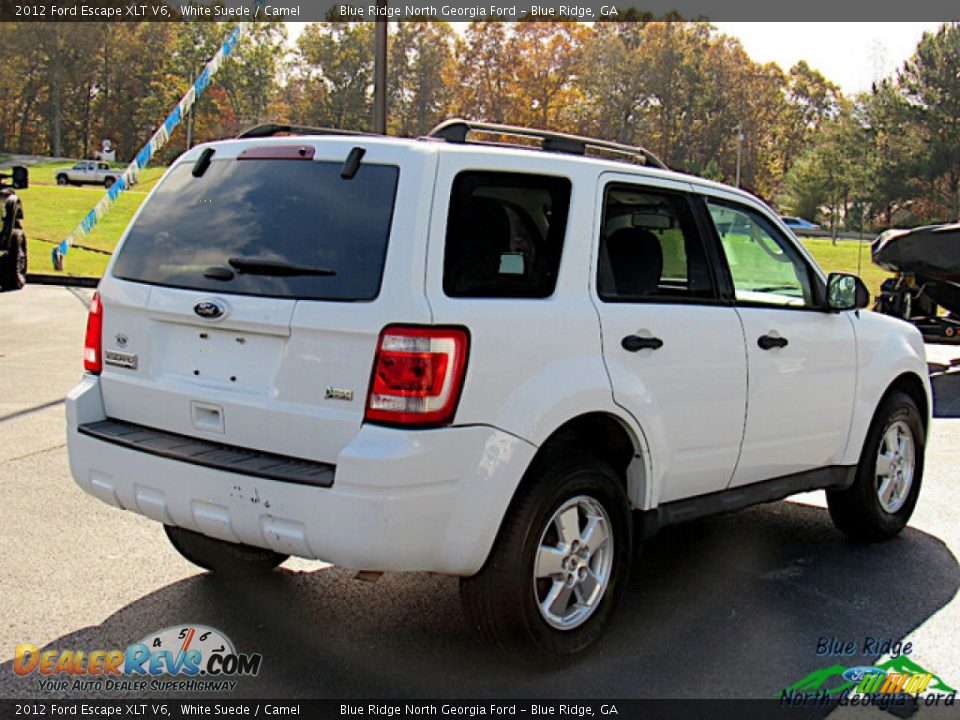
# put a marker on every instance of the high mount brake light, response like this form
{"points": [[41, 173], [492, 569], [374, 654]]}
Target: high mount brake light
{"points": [[92, 355], [417, 375]]}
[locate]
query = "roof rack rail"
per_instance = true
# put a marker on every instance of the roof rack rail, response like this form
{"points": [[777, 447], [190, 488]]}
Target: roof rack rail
{"points": [[456, 131], [271, 129]]}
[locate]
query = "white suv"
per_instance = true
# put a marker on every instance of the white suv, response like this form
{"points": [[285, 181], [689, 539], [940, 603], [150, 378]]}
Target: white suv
{"points": [[499, 363]]}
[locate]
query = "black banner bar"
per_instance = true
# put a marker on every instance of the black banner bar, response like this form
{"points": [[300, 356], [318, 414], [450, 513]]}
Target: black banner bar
{"points": [[148, 709], [470, 10]]}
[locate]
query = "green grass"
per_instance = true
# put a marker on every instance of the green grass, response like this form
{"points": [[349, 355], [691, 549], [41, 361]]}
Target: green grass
{"points": [[50, 213], [846, 256], [45, 173], [81, 263]]}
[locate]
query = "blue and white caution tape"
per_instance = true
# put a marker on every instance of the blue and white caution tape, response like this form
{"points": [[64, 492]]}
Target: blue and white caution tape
{"points": [[157, 141]]}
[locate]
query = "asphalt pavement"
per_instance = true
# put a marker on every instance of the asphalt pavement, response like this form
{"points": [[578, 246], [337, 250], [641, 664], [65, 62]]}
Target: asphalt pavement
{"points": [[732, 606]]}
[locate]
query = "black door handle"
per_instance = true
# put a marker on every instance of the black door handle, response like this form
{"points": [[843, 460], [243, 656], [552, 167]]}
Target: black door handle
{"points": [[768, 342], [633, 343]]}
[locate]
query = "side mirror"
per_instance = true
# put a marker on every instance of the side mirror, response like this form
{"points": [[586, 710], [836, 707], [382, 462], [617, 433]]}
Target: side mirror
{"points": [[846, 291]]}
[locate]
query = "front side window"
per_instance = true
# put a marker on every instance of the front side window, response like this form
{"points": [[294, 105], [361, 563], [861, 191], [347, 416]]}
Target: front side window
{"points": [[765, 266], [505, 235], [650, 248]]}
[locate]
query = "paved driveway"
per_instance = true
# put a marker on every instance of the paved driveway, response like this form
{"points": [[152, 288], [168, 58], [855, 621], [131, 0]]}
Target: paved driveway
{"points": [[731, 606]]}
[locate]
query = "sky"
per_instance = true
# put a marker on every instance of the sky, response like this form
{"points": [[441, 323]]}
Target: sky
{"points": [[851, 55]]}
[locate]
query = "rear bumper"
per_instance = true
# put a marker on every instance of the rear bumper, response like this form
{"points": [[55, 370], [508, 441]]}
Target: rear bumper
{"points": [[427, 500]]}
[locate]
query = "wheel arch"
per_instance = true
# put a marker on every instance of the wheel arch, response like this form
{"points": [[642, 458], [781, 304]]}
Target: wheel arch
{"points": [[911, 385], [907, 381], [612, 439]]}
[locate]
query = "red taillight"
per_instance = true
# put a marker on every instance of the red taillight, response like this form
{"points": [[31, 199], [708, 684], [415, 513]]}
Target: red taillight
{"points": [[417, 375], [92, 358]]}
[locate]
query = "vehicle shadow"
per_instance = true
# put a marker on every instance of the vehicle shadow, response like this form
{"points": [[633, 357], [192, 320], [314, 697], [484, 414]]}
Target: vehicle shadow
{"points": [[730, 606]]}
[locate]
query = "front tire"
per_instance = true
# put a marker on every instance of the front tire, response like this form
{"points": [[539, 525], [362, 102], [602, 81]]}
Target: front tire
{"points": [[63, 180], [221, 557], [881, 500], [560, 562], [13, 266]]}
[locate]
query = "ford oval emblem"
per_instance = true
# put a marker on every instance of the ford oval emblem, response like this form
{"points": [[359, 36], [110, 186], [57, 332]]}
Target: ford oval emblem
{"points": [[856, 674], [209, 309]]}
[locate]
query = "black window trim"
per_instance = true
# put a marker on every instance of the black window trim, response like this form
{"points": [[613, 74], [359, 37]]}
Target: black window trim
{"points": [[817, 286], [712, 268], [563, 240], [273, 296]]}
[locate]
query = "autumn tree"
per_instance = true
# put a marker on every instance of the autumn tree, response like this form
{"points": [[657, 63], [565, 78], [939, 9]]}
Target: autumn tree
{"points": [[547, 76], [421, 76], [335, 65], [614, 83], [812, 100], [487, 61], [249, 79]]}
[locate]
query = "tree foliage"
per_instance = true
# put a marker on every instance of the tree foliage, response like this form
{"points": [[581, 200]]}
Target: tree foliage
{"points": [[891, 156], [680, 88]]}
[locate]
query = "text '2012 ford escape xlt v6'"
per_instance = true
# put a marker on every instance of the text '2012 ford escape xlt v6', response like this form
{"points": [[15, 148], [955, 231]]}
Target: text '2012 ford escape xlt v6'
{"points": [[492, 362]]}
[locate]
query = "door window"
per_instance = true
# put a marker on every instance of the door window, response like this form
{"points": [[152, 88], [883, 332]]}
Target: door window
{"points": [[766, 267], [505, 235], [650, 248]]}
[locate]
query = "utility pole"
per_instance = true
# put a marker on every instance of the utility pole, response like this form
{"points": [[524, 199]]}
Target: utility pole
{"points": [[740, 139], [380, 70]]}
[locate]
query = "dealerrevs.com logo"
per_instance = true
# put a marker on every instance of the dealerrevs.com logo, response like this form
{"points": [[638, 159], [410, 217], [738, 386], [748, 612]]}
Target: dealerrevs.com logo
{"points": [[184, 658]]}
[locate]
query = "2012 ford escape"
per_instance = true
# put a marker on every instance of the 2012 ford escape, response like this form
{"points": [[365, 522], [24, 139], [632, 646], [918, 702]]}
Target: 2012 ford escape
{"points": [[499, 363]]}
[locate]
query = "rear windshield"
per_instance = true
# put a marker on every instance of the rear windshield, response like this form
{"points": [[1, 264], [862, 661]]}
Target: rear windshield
{"points": [[210, 232]]}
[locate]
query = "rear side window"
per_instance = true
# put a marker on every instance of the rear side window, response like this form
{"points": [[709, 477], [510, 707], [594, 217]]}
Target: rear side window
{"points": [[505, 235], [276, 228]]}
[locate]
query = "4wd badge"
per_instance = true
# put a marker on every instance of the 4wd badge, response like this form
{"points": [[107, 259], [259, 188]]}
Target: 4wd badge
{"points": [[333, 393]]}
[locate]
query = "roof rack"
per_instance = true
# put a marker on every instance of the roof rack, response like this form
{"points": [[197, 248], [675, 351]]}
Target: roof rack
{"points": [[270, 129], [456, 131]]}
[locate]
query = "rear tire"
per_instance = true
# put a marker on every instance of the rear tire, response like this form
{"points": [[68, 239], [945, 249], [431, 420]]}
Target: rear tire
{"points": [[560, 563], [108, 183], [881, 500], [13, 265], [221, 557]]}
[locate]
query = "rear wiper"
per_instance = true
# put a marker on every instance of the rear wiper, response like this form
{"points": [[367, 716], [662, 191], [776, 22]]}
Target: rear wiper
{"points": [[265, 266]]}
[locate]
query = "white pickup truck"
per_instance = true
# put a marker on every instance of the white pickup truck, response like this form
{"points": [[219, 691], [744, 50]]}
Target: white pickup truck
{"points": [[88, 172]]}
